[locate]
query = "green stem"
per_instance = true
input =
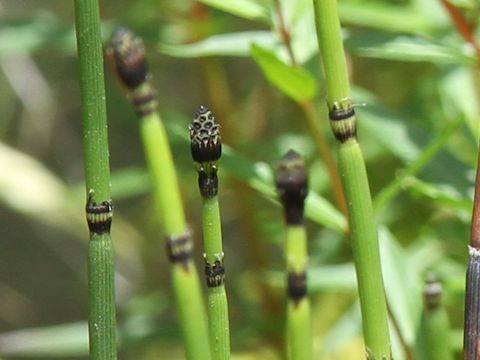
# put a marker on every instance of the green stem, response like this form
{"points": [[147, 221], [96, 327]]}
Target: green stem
{"points": [[299, 331], [355, 182], [129, 55], [436, 324], [206, 148], [102, 322], [292, 188], [217, 297]]}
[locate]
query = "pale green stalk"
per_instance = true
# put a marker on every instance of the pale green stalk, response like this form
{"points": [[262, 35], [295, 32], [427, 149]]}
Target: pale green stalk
{"points": [[355, 182], [101, 317], [299, 328]]}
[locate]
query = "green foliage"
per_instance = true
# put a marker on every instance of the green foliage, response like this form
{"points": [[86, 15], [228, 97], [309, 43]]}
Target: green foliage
{"points": [[408, 64]]}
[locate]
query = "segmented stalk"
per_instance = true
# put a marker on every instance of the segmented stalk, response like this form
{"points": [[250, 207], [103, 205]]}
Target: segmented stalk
{"points": [[206, 148], [128, 53], [355, 182], [435, 322], [99, 209], [292, 187], [471, 339]]}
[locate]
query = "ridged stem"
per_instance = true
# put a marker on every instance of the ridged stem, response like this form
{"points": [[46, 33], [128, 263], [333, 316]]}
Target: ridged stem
{"points": [[355, 182], [216, 295], [206, 148], [101, 319], [129, 55]]}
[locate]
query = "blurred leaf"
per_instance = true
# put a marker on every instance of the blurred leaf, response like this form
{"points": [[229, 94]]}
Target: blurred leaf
{"points": [[443, 194], [58, 341], [459, 96], [403, 286], [248, 9], [295, 82], [383, 125], [408, 48], [231, 44], [322, 278], [382, 16]]}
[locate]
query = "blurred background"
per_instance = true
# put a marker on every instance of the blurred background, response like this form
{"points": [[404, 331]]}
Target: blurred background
{"points": [[414, 65]]}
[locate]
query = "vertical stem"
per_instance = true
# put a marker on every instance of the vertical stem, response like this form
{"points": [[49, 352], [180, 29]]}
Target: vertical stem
{"points": [[102, 322], [206, 148], [471, 340], [355, 182], [129, 56], [292, 188], [435, 322]]}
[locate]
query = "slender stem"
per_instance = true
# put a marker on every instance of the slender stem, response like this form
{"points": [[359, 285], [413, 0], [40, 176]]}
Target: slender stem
{"points": [[206, 150], [471, 340], [217, 297], [101, 322], [292, 187], [299, 328], [435, 324], [129, 56], [355, 182]]}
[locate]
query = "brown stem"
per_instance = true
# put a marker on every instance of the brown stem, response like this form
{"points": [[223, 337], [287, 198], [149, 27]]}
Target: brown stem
{"points": [[462, 25]]}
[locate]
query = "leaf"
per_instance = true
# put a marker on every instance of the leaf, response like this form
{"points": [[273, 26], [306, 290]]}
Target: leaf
{"points": [[52, 341], [230, 44], [248, 9], [408, 48], [403, 286], [385, 17], [295, 82]]}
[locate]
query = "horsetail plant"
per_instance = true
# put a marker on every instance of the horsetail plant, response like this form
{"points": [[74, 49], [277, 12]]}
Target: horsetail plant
{"points": [[355, 182], [206, 149], [99, 209], [128, 52], [471, 339], [292, 187], [435, 323]]}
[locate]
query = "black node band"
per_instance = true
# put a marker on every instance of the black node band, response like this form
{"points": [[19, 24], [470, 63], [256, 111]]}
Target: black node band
{"points": [[346, 135], [99, 216], [179, 248], [215, 274], [208, 183], [145, 103], [338, 114], [297, 286]]}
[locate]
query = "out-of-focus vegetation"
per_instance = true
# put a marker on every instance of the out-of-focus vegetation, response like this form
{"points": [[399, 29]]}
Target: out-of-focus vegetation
{"points": [[418, 78]]}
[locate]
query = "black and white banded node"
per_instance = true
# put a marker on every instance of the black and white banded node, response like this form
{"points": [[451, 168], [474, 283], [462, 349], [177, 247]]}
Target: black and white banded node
{"points": [[432, 293], [205, 140], [99, 216], [214, 273], [129, 56], [343, 121], [180, 248], [292, 186]]}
